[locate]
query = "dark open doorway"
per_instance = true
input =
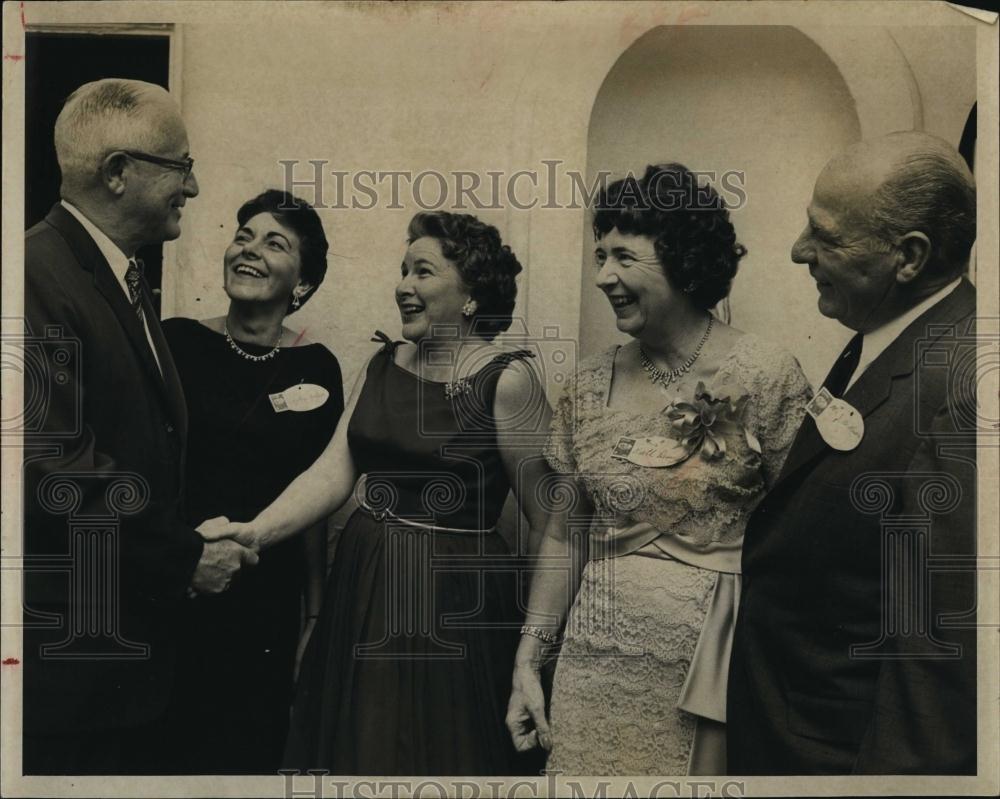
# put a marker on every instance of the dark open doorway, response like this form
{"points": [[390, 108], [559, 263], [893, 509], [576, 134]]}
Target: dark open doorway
{"points": [[967, 146], [55, 65]]}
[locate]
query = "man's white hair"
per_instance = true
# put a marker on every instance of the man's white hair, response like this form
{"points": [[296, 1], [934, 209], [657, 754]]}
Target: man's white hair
{"points": [[102, 116], [930, 189]]}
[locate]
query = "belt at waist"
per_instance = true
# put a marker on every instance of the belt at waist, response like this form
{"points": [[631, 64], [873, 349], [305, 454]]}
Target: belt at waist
{"points": [[381, 515], [644, 538]]}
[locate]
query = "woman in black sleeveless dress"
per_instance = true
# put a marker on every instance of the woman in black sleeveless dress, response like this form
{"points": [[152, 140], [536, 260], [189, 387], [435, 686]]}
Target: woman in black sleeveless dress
{"points": [[233, 685], [409, 669]]}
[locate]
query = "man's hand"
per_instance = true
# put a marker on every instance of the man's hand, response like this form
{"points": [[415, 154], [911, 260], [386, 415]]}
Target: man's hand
{"points": [[220, 562]]}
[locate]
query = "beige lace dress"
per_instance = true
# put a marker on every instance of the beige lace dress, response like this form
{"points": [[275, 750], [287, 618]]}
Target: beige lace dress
{"points": [[647, 640]]}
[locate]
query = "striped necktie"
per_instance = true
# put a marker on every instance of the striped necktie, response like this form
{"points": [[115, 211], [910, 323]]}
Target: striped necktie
{"points": [[133, 279]]}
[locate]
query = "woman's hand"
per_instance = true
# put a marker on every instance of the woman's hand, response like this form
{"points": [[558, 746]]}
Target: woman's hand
{"points": [[220, 527], [526, 710], [210, 528]]}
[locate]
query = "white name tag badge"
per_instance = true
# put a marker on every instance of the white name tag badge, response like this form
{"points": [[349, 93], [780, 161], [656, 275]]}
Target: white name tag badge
{"points": [[839, 423], [303, 397], [651, 451]]}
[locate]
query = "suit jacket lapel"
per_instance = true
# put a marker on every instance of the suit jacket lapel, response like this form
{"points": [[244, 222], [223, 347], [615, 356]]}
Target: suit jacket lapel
{"points": [[874, 386], [170, 378], [93, 261], [109, 287]]}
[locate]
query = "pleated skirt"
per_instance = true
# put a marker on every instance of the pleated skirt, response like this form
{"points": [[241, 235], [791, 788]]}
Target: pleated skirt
{"points": [[409, 668]]}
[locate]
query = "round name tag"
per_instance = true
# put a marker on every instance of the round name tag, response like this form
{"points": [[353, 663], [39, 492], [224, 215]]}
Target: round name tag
{"points": [[841, 426], [302, 397]]}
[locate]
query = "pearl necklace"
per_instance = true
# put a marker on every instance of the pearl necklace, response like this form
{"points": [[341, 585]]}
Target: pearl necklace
{"points": [[665, 377], [255, 358]]}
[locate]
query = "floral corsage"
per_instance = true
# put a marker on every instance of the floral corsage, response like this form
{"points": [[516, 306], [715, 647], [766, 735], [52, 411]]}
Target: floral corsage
{"points": [[708, 421]]}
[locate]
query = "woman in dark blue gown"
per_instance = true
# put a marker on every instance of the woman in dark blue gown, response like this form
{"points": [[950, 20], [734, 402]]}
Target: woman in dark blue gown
{"points": [[409, 668]]}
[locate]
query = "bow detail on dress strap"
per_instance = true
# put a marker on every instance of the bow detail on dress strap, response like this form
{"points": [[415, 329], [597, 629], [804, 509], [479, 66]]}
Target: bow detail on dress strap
{"points": [[386, 342]]}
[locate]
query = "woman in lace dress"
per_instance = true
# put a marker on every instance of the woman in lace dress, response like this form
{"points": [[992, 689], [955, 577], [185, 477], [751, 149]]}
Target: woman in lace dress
{"points": [[667, 442]]}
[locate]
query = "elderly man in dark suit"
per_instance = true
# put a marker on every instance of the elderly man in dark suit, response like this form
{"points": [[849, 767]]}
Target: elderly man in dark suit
{"points": [[855, 646], [106, 551]]}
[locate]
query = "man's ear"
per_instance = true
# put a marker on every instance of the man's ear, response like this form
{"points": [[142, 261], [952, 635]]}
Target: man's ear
{"points": [[113, 172], [912, 253]]}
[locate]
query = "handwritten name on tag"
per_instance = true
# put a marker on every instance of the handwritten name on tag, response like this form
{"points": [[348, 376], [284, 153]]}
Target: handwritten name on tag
{"points": [[303, 397], [839, 423], [652, 451]]}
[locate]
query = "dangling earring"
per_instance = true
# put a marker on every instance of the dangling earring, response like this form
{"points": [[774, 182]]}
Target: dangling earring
{"points": [[469, 309], [297, 294]]}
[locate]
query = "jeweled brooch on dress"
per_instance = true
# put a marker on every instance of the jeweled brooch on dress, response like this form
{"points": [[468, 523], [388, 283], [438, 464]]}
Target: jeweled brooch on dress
{"points": [[457, 388]]}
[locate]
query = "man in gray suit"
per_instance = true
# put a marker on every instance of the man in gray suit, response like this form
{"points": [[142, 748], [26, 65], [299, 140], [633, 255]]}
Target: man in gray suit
{"points": [[855, 645]]}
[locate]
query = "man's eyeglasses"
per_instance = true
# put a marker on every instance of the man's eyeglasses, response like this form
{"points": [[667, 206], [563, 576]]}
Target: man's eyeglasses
{"points": [[185, 165]]}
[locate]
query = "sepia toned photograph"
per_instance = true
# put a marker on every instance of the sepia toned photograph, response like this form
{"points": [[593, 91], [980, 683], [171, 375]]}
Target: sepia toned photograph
{"points": [[501, 399]]}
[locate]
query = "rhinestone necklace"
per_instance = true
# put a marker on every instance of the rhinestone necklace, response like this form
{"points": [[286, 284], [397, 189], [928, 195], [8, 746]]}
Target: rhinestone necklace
{"points": [[665, 377], [255, 358]]}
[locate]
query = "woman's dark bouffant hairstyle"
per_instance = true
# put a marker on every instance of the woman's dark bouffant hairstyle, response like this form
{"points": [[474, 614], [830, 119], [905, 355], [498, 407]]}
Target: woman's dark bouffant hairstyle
{"points": [[297, 215], [694, 240], [486, 264]]}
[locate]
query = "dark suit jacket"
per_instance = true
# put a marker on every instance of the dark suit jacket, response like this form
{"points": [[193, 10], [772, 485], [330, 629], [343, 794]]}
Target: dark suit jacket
{"points": [[104, 447], [836, 668]]}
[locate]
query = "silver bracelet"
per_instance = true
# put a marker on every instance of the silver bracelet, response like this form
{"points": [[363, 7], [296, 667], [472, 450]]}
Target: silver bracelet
{"points": [[540, 633]]}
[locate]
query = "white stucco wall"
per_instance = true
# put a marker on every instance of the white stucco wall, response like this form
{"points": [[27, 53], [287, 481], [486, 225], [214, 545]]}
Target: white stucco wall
{"points": [[455, 90]]}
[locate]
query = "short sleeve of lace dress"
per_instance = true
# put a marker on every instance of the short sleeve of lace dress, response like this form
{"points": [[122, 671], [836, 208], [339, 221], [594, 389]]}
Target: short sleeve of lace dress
{"points": [[781, 394], [558, 449]]}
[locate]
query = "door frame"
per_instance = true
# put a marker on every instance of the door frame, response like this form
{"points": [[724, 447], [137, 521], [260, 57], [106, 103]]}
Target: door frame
{"points": [[175, 36]]}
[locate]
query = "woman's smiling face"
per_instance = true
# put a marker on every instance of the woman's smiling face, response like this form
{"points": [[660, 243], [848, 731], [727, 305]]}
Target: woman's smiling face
{"points": [[630, 275], [430, 291], [262, 264]]}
